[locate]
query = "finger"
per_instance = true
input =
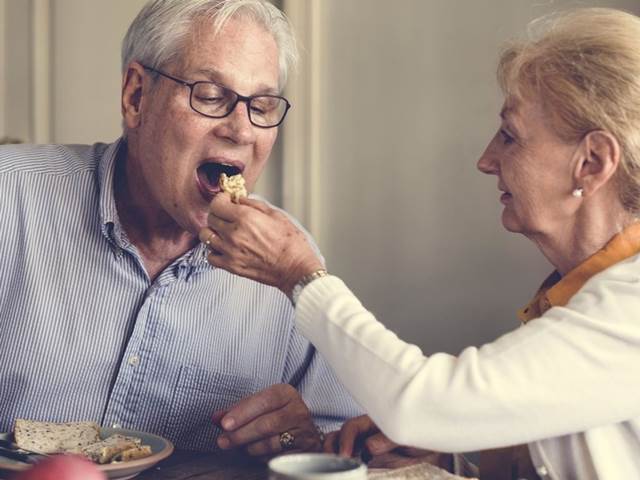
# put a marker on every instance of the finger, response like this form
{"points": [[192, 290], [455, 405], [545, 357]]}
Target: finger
{"points": [[218, 224], [258, 404], [218, 260], [222, 207], [205, 234], [257, 204], [331, 442], [270, 424], [266, 447], [304, 440], [347, 438], [350, 432], [217, 416], [210, 238], [379, 444]]}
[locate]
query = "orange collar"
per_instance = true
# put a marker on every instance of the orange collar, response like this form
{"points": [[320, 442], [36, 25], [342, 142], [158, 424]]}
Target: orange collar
{"points": [[557, 290]]}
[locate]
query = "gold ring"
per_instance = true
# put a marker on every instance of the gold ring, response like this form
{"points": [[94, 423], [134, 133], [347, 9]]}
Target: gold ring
{"points": [[287, 441], [208, 241]]}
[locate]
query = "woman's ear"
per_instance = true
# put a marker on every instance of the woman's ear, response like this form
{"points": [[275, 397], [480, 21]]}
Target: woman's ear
{"points": [[131, 99], [599, 159]]}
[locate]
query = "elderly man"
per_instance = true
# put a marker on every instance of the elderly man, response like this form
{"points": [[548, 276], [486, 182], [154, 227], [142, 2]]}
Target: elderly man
{"points": [[109, 310]]}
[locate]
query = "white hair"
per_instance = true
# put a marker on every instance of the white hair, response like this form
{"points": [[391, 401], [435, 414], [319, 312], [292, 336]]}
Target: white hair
{"points": [[158, 33]]}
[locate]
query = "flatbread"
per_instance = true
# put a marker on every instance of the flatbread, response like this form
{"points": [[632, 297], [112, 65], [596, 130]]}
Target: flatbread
{"points": [[49, 437], [105, 450], [140, 451]]}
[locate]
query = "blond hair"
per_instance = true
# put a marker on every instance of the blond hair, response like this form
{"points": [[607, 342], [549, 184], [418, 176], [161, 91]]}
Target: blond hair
{"points": [[584, 66]]}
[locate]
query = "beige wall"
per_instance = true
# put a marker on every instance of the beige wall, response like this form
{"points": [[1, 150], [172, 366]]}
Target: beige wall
{"points": [[86, 37], [16, 69], [3, 32], [409, 101], [393, 105]]}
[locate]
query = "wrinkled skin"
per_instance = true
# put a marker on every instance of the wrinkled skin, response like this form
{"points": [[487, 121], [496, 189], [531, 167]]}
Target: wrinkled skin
{"points": [[360, 436], [258, 242], [256, 422]]}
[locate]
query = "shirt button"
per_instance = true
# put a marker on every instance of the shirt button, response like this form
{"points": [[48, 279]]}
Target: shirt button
{"points": [[542, 471], [134, 360], [116, 425]]}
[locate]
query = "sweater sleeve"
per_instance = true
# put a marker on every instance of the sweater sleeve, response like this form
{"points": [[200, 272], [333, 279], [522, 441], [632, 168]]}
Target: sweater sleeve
{"points": [[570, 370]]}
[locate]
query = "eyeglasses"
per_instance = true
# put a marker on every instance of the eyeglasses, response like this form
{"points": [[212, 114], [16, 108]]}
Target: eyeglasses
{"points": [[215, 101]]}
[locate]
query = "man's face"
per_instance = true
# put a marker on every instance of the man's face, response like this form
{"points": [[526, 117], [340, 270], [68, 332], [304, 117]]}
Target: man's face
{"points": [[178, 151]]}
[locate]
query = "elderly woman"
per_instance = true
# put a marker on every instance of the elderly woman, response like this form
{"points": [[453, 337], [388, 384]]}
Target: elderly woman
{"points": [[567, 161]]}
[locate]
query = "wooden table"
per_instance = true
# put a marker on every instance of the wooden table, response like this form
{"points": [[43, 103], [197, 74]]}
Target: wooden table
{"points": [[200, 466], [183, 465]]}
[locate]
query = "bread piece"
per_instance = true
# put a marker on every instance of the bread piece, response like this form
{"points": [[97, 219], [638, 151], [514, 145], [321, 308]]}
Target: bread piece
{"points": [[50, 437], [233, 185], [107, 449], [140, 451]]}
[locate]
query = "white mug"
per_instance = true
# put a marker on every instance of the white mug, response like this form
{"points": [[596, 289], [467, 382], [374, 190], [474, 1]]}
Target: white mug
{"points": [[316, 466]]}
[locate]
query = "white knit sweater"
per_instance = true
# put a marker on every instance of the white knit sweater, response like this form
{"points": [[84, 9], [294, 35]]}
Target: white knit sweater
{"points": [[568, 383]]}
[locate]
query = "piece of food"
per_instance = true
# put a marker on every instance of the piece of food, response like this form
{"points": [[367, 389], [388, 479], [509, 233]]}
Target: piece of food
{"points": [[233, 185], [50, 437], [105, 450], [139, 451], [82, 438]]}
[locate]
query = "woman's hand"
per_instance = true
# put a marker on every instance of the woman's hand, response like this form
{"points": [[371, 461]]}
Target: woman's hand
{"points": [[361, 436], [258, 242]]}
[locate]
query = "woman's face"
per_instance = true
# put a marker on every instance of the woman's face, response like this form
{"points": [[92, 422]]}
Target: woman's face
{"points": [[534, 169]]}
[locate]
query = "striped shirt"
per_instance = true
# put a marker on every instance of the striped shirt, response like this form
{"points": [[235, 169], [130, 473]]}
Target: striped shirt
{"points": [[85, 335]]}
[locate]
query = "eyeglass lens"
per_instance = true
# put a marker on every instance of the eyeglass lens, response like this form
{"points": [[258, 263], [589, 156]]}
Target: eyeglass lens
{"points": [[216, 101]]}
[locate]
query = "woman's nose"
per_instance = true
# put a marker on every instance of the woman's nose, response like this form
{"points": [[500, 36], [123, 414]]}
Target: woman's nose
{"points": [[487, 163]]}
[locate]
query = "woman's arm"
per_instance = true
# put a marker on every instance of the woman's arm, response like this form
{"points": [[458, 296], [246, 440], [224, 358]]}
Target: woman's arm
{"points": [[570, 370]]}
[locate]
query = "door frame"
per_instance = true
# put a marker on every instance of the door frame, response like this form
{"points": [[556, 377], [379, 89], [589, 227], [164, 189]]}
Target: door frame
{"points": [[302, 135]]}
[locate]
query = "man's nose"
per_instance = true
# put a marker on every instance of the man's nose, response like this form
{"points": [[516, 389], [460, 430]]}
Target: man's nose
{"points": [[237, 127]]}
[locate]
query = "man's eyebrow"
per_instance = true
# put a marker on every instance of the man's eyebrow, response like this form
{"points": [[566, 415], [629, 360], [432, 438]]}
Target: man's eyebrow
{"points": [[218, 77]]}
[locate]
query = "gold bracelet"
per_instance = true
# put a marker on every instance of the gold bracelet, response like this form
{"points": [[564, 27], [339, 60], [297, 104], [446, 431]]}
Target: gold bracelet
{"points": [[303, 282]]}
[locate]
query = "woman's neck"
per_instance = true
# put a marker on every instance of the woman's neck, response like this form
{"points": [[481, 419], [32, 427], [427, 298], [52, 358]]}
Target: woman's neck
{"points": [[590, 231]]}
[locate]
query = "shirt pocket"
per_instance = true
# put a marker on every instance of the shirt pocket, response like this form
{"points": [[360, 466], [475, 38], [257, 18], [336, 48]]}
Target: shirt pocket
{"points": [[198, 394]]}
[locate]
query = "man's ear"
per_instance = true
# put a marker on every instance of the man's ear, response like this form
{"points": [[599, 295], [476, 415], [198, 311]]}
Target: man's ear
{"points": [[131, 99], [599, 158]]}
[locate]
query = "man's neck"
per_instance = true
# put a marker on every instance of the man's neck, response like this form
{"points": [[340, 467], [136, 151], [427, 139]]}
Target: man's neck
{"points": [[158, 238]]}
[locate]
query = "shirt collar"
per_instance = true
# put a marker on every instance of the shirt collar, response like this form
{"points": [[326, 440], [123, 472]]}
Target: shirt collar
{"points": [[106, 176], [557, 290]]}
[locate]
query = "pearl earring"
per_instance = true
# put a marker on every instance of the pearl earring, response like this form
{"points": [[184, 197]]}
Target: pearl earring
{"points": [[577, 192]]}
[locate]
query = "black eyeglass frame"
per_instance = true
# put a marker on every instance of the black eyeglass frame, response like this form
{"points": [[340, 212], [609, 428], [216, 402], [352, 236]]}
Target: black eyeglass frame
{"points": [[239, 98]]}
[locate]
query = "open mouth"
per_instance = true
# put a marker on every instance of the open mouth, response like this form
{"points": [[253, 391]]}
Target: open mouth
{"points": [[209, 176]]}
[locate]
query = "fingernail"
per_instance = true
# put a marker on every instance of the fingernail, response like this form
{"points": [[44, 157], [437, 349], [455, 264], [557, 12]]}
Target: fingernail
{"points": [[228, 423], [223, 443]]}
